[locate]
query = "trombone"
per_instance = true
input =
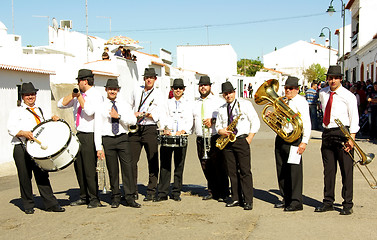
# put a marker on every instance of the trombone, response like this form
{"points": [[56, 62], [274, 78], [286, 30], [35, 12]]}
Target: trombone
{"points": [[364, 158]]}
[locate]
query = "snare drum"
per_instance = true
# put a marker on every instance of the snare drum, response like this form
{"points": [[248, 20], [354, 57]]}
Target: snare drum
{"points": [[57, 147], [173, 141]]}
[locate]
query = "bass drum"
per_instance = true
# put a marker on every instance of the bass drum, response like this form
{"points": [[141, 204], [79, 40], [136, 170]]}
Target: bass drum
{"points": [[56, 146]]}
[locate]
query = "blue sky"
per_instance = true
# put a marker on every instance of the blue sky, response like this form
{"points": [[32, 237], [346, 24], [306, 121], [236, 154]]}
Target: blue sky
{"points": [[253, 28]]}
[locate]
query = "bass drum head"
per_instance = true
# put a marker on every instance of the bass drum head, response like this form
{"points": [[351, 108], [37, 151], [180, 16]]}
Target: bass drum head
{"points": [[54, 136]]}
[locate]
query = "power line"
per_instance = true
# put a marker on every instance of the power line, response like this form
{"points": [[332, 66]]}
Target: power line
{"points": [[216, 25]]}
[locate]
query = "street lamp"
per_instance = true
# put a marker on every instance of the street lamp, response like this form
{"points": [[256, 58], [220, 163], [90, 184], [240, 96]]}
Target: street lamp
{"points": [[322, 36], [330, 11]]}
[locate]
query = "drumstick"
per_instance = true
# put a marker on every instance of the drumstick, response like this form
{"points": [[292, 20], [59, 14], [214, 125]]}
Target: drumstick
{"points": [[40, 143]]}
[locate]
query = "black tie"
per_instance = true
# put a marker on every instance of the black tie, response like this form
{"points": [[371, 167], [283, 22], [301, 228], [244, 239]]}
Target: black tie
{"points": [[115, 121]]}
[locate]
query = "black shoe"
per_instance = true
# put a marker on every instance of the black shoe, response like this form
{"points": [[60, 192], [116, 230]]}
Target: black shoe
{"points": [[248, 206], [55, 208], [133, 204], [160, 199], [221, 199], [176, 198], [115, 204], [95, 204], [232, 204], [148, 198], [293, 208], [346, 211], [207, 197], [78, 202], [136, 196], [324, 208], [279, 205], [29, 211]]}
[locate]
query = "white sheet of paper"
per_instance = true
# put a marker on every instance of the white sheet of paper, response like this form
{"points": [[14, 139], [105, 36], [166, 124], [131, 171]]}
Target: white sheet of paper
{"points": [[294, 157]]}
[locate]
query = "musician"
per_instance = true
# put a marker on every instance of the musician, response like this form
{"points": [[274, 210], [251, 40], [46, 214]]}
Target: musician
{"points": [[146, 101], [237, 153], [111, 123], [214, 168], [338, 103], [84, 104], [21, 121], [177, 121], [289, 172]]}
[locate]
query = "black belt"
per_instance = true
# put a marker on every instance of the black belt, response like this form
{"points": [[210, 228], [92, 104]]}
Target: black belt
{"points": [[114, 136], [242, 136], [329, 130]]}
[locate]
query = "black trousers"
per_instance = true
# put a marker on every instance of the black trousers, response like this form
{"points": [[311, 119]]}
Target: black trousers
{"points": [[332, 152], [290, 176], [214, 168], [238, 159], [85, 167], [25, 166], [165, 170], [117, 151], [146, 137]]}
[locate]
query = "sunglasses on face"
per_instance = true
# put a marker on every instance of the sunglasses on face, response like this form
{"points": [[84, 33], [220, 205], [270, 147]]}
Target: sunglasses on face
{"points": [[290, 88], [176, 88], [201, 85]]}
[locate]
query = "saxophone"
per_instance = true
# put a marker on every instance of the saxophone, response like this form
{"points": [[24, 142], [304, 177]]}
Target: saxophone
{"points": [[222, 141]]}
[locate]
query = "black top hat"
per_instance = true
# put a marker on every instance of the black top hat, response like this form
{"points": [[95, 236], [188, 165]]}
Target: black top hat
{"points": [[205, 80], [149, 72], [334, 71], [112, 83], [178, 82], [291, 82], [85, 73], [227, 87], [28, 88]]}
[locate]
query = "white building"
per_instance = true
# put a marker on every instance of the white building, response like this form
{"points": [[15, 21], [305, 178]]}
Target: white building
{"points": [[361, 61], [296, 57]]}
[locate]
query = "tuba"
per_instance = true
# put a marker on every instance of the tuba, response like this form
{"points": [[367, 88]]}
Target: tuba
{"points": [[281, 115], [364, 158]]}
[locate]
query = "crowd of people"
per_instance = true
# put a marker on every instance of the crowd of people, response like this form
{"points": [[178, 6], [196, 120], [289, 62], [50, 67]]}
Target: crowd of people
{"points": [[120, 52], [116, 130]]}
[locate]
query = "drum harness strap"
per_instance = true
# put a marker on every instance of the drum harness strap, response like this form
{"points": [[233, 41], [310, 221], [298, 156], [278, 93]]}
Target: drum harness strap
{"points": [[40, 110]]}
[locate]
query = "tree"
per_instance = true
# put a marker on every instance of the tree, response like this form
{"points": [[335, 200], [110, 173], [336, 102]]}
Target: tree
{"points": [[250, 66], [315, 73]]}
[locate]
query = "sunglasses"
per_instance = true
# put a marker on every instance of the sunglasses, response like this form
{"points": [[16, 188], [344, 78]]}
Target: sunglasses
{"points": [[176, 88], [290, 88]]}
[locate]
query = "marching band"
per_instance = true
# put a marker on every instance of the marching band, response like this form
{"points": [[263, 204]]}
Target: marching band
{"points": [[115, 131]]}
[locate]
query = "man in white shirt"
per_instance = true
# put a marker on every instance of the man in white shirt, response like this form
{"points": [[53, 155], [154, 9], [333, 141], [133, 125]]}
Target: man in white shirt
{"points": [[289, 174], [147, 104], [21, 122], [111, 127], [213, 164], [237, 153], [338, 103], [84, 104], [177, 122]]}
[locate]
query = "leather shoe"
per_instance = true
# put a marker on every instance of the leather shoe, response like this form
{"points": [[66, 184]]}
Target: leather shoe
{"points": [[248, 206], [207, 197], [115, 204], [177, 198], [160, 199], [133, 204], [232, 204], [324, 208], [149, 198], [293, 208], [346, 211], [279, 205], [55, 208], [95, 204], [78, 202], [29, 211]]}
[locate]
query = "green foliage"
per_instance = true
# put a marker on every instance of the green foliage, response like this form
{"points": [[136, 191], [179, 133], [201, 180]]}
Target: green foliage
{"points": [[249, 66], [315, 73]]}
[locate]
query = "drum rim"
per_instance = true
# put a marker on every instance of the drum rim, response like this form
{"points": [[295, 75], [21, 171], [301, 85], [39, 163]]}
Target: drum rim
{"points": [[62, 149]]}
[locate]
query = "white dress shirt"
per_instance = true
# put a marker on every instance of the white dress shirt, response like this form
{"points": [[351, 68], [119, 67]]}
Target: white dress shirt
{"points": [[299, 105], [344, 108], [248, 122], [92, 100], [103, 124], [156, 108], [21, 119], [211, 106], [178, 115]]}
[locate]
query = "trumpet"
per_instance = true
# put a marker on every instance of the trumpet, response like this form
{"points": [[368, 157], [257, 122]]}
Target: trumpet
{"points": [[206, 141], [364, 158], [135, 128]]}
